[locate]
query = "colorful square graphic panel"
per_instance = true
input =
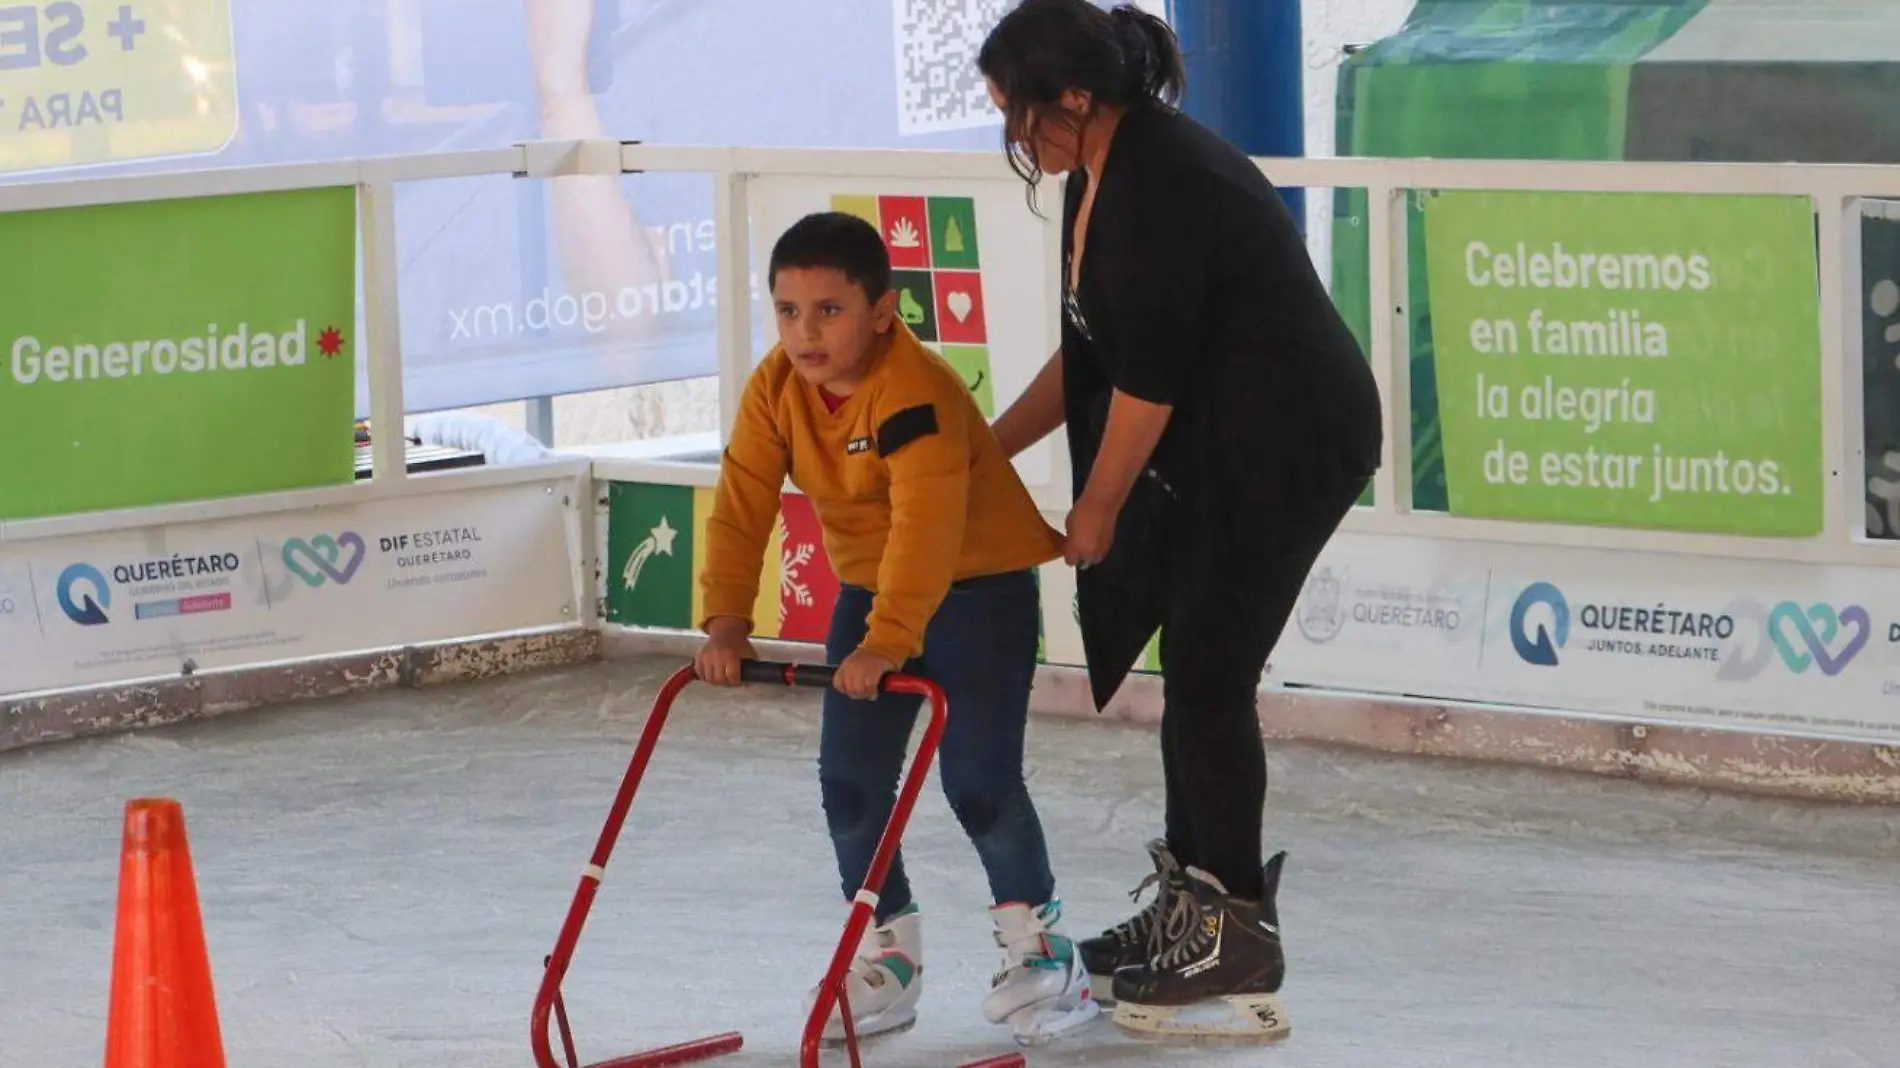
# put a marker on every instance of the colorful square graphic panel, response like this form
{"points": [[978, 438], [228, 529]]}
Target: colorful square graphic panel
{"points": [[937, 266]]}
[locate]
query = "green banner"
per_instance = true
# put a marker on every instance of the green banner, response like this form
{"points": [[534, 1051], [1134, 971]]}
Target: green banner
{"points": [[177, 350], [1481, 79], [1632, 360], [651, 568]]}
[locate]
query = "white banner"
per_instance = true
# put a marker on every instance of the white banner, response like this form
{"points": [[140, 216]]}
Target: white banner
{"points": [[139, 603], [1665, 638], [973, 268], [1390, 615]]}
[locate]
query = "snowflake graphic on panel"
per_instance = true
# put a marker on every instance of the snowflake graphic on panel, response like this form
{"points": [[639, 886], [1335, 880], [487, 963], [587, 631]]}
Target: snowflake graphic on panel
{"points": [[792, 561]]}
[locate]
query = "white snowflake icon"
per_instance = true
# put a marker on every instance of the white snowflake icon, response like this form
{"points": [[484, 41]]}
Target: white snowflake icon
{"points": [[792, 560]]}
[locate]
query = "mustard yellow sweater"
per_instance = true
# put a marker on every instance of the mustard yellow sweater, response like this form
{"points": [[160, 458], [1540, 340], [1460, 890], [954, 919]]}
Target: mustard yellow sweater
{"points": [[907, 481]]}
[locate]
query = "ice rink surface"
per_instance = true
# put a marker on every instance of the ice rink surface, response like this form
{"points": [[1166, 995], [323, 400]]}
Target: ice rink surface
{"points": [[381, 877]]}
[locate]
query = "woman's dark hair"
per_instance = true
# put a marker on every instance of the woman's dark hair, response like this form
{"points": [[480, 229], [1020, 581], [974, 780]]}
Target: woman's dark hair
{"points": [[835, 240], [1123, 57]]}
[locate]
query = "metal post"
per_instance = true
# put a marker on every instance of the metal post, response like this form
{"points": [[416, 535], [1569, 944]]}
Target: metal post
{"points": [[540, 419], [732, 232], [389, 455], [1246, 75], [531, 218]]}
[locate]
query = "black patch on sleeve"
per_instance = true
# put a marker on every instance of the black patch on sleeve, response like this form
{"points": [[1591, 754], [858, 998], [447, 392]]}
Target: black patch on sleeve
{"points": [[906, 426]]}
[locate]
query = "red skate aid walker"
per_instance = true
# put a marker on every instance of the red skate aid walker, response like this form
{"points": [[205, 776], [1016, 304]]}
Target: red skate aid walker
{"points": [[832, 991]]}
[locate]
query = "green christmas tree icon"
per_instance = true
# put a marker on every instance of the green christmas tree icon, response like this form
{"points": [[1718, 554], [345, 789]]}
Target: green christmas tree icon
{"points": [[953, 236]]}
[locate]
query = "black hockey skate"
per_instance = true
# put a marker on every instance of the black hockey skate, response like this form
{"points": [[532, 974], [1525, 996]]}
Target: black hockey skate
{"points": [[1137, 939], [1218, 976]]}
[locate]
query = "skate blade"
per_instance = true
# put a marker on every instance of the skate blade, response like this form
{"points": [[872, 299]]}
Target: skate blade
{"points": [[1032, 1027], [1248, 1019]]}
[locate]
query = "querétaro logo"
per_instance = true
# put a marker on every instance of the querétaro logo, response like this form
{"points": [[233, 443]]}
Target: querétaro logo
{"points": [[1322, 611], [1540, 648], [325, 558], [88, 584]]}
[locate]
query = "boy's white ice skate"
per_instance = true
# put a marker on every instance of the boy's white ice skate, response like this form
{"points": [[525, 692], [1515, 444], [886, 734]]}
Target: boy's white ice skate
{"points": [[1042, 990], [884, 981]]}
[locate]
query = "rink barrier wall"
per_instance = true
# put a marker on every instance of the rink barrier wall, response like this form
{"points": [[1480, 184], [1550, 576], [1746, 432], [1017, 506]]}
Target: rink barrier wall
{"points": [[73, 714], [1602, 738], [1769, 764], [1738, 761]]}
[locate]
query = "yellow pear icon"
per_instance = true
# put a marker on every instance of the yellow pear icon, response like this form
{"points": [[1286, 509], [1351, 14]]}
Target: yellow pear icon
{"points": [[908, 309]]}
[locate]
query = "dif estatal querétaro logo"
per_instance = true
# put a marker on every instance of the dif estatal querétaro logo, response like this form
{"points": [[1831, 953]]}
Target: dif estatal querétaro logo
{"points": [[177, 585], [182, 584], [325, 558], [336, 558], [1813, 636]]}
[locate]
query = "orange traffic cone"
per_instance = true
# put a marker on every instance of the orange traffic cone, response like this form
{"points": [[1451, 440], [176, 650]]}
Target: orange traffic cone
{"points": [[163, 1013]]}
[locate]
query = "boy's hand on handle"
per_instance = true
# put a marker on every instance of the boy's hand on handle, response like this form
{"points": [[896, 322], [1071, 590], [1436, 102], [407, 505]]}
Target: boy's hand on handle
{"points": [[861, 674], [728, 644]]}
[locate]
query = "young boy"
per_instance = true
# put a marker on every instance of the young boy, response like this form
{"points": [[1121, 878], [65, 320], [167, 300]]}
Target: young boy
{"points": [[934, 540]]}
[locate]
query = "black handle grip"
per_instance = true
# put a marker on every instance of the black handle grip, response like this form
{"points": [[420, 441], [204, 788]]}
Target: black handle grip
{"points": [[776, 673]]}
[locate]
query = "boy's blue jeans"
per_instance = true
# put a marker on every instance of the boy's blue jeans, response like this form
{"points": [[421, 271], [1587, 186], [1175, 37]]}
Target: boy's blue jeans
{"points": [[981, 648]]}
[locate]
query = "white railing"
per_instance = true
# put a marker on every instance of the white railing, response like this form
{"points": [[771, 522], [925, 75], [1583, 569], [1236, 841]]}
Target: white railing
{"points": [[375, 181], [1832, 189]]}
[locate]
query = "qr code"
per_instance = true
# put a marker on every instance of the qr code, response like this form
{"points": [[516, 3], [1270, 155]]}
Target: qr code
{"points": [[938, 85]]}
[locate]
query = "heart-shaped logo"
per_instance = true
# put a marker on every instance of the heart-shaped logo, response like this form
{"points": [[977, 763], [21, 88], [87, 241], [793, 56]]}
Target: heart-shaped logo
{"points": [[319, 558], [1817, 627], [960, 304]]}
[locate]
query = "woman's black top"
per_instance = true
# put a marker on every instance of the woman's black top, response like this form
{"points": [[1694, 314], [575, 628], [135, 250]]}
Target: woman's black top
{"points": [[1196, 290]]}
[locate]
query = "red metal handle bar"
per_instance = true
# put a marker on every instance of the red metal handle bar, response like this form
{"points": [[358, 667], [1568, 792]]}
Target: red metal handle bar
{"points": [[548, 996], [864, 905], [772, 672]]}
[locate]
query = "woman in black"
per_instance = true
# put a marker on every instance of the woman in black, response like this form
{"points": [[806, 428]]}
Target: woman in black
{"points": [[1222, 422]]}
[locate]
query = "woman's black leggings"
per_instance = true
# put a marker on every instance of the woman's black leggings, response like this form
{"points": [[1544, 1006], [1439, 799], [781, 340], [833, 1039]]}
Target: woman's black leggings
{"points": [[1214, 648]]}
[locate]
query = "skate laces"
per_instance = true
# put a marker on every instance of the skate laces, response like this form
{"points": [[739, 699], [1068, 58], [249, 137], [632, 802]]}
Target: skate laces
{"points": [[1183, 933], [1142, 925]]}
